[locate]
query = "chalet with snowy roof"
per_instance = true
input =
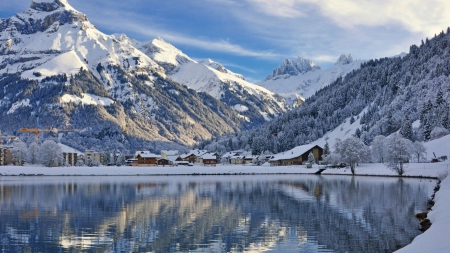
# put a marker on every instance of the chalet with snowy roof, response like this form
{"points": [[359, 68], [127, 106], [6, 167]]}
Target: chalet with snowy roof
{"points": [[249, 158], [164, 161], [235, 157], [297, 155], [193, 155], [209, 159], [145, 158]]}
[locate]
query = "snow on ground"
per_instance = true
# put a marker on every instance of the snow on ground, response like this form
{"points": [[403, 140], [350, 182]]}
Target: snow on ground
{"points": [[16, 105], [439, 146], [87, 99], [68, 63], [240, 108], [373, 169], [378, 169], [343, 131]]}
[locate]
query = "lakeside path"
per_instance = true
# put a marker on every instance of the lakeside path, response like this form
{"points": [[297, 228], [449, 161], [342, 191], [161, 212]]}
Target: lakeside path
{"points": [[433, 240]]}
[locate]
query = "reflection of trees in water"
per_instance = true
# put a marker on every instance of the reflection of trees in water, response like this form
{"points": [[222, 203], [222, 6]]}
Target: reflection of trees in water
{"points": [[224, 216], [357, 211]]}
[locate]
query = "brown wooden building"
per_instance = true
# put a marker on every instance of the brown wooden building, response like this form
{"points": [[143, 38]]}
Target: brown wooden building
{"points": [[209, 159], [145, 158], [297, 155]]}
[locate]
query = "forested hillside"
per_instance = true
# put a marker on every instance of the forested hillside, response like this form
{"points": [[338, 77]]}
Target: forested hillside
{"points": [[389, 89]]}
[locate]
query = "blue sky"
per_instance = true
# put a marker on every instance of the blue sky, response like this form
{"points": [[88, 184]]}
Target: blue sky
{"points": [[252, 37]]}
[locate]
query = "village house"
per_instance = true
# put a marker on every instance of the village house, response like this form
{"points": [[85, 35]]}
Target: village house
{"points": [[234, 157], [95, 157], [297, 155], [165, 161], [209, 159], [193, 156], [70, 158], [5, 155], [248, 159], [145, 158]]}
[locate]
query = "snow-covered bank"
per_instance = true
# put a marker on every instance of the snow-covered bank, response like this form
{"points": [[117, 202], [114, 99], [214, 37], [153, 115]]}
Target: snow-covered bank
{"points": [[412, 170], [378, 169], [435, 239]]}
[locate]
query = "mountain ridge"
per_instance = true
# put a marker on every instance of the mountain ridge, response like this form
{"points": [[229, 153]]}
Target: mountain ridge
{"points": [[57, 70], [301, 84]]}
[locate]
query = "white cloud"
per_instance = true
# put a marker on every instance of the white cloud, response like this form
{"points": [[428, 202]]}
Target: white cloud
{"points": [[323, 58], [280, 8], [173, 37], [426, 17]]}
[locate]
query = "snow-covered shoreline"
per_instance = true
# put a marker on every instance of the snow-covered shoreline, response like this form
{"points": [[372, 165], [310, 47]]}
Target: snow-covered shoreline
{"points": [[435, 239], [428, 170]]}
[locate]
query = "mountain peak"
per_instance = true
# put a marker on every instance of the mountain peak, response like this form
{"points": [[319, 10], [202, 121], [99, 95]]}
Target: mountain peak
{"points": [[344, 59], [294, 67], [49, 5]]}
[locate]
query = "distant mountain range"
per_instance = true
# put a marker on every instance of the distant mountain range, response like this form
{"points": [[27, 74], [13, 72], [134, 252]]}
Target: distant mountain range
{"points": [[57, 70], [299, 79]]}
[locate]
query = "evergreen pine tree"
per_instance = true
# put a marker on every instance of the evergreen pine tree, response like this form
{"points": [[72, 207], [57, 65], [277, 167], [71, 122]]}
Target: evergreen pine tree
{"points": [[90, 163], [358, 133], [427, 128], [446, 121], [107, 157], [311, 159], [406, 128], [326, 149], [120, 159], [439, 98], [114, 157], [352, 120]]}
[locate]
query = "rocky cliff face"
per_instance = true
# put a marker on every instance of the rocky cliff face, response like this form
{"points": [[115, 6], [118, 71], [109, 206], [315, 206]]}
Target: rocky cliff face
{"points": [[293, 68]]}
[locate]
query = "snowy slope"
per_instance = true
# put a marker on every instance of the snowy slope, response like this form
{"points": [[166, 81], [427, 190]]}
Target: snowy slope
{"points": [[300, 79], [62, 47], [57, 69], [213, 78]]}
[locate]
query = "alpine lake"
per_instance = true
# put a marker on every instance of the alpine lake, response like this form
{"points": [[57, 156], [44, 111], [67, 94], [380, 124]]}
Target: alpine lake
{"points": [[245, 213]]}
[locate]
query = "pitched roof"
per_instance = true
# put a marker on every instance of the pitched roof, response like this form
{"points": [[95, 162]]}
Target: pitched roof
{"points": [[293, 153], [209, 156], [195, 152], [172, 158], [146, 154]]}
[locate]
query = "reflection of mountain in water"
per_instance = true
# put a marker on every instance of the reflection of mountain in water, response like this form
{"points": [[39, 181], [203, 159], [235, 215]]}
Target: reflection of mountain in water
{"points": [[339, 214]]}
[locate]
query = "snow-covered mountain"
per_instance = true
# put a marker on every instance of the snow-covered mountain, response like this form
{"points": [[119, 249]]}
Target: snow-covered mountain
{"points": [[58, 70], [254, 103], [299, 79]]}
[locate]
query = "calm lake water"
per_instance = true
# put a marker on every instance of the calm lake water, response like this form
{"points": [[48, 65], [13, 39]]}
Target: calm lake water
{"points": [[286, 213]]}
